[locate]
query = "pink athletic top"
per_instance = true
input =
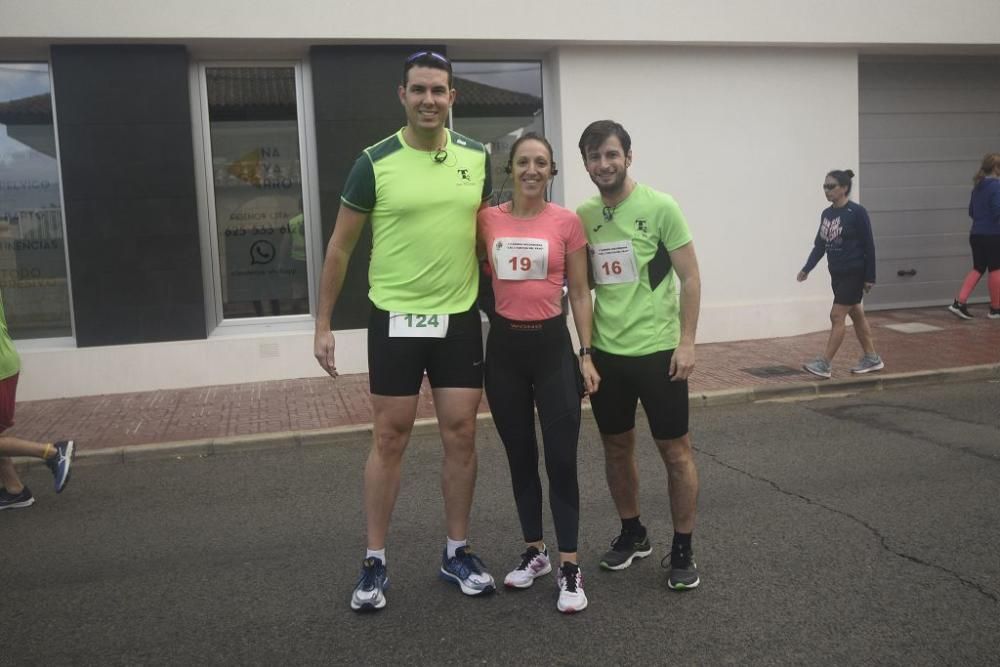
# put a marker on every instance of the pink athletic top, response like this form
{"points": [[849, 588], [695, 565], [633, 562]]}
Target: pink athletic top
{"points": [[528, 259]]}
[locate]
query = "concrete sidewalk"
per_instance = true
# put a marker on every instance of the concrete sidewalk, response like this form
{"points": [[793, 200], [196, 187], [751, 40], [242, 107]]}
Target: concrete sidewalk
{"points": [[921, 345]]}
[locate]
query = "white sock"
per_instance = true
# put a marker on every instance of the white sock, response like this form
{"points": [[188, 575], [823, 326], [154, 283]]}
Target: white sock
{"points": [[454, 545], [376, 553]]}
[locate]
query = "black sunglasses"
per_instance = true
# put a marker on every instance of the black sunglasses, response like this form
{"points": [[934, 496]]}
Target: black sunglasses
{"points": [[830, 186], [427, 54]]}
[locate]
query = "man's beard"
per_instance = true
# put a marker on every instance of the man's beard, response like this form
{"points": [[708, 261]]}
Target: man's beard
{"points": [[615, 187]]}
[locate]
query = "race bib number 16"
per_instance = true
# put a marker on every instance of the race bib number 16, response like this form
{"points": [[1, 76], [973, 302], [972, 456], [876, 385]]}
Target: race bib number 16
{"points": [[410, 325], [613, 263]]}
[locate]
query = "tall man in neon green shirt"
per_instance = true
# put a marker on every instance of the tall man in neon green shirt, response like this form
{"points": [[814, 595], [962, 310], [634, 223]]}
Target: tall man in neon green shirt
{"points": [[643, 341], [421, 189]]}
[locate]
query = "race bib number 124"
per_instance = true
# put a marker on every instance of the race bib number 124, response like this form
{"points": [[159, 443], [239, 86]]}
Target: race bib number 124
{"points": [[410, 325]]}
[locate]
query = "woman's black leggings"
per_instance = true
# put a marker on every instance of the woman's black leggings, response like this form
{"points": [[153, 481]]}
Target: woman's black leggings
{"points": [[529, 364]]}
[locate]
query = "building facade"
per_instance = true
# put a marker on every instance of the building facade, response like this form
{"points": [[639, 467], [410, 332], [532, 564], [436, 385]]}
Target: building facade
{"points": [[170, 174]]}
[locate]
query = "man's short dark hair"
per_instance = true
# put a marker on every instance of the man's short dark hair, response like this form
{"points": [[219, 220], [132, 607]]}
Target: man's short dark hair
{"points": [[600, 131], [427, 58]]}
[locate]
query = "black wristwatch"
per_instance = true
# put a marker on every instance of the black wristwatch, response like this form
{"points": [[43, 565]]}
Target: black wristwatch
{"points": [[586, 351]]}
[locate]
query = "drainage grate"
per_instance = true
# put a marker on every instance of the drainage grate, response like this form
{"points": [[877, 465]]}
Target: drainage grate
{"points": [[771, 371]]}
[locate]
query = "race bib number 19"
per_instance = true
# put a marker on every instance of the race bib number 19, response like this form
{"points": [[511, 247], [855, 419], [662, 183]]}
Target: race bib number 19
{"points": [[410, 325], [613, 263], [521, 258]]}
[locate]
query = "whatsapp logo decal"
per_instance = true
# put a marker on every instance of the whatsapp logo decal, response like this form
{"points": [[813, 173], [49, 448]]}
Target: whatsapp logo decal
{"points": [[262, 252]]}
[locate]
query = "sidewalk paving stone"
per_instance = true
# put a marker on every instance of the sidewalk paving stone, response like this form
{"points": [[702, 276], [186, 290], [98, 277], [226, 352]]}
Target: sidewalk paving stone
{"points": [[319, 404]]}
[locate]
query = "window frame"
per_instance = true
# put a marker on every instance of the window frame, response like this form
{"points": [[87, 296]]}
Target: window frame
{"points": [[217, 324], [53, 342], [546, 74]]}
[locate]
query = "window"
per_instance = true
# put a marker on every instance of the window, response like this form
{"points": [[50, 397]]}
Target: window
{"points": [[497, 102], [32, 248], [260, 223]]}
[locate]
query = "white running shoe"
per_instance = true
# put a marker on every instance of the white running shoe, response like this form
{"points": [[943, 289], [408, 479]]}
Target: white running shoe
{"points": [[534, 563], [571, 596]]}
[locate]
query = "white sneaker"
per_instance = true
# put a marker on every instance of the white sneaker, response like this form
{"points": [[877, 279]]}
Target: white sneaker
{"points": [[571, 596], [534, 563]]}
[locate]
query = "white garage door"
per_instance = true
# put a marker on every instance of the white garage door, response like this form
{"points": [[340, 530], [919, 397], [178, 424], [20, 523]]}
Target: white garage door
{"points": [[924, 126]]}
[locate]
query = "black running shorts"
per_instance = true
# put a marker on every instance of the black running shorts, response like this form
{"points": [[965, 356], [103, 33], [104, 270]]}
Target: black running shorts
{"points": [[626, 380], [985, 252], [848, 288], [396, 366]]}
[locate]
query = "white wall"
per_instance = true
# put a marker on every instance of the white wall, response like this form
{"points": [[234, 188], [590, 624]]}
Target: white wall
{"points": [[742, 138], [968, 22], [54, 372]]}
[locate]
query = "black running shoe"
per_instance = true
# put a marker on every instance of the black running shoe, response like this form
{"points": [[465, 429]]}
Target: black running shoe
{"points": [[960, 310], [624, 548], [683, 573], [13, 501]]}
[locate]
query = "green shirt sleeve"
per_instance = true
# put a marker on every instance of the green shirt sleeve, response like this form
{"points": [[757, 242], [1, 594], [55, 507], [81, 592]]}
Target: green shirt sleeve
{"points": [[674, 230], [359, 190]]}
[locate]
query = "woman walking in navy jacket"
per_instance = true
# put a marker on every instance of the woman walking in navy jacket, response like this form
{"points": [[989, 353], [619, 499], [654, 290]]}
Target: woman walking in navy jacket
{"points": [[845, 237]]}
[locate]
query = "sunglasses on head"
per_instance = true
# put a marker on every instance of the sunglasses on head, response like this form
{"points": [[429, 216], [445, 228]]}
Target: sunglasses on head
{"points": [[830, 186], [427, 54]]}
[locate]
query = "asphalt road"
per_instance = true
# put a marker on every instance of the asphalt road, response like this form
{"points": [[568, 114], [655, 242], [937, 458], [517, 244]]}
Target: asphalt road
{"points": [[855, 530]]}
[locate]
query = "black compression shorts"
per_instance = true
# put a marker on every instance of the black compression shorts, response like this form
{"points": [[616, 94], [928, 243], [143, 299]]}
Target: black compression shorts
{"points": [[626, 380], [396, 366]]}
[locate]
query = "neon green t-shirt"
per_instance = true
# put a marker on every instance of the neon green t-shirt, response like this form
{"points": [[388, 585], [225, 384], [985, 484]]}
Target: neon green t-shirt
{"points": [[636, 311], [10, 361], [423, 213]]}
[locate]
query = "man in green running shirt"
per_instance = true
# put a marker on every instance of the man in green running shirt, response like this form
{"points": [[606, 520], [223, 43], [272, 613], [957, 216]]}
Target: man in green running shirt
{"points": [[58, 456], [421, 188], [643, 341]]}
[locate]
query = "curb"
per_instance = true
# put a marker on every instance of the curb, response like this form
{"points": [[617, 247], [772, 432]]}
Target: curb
{"points": [[341, 434]]}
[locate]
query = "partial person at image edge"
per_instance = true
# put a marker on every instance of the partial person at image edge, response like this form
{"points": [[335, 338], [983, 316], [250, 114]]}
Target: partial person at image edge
{"points": [[984, 238], [58, 456]]}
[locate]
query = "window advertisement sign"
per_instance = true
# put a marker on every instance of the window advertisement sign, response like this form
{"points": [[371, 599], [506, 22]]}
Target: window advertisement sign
{"points": [[32, 251], [258, 191]]}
